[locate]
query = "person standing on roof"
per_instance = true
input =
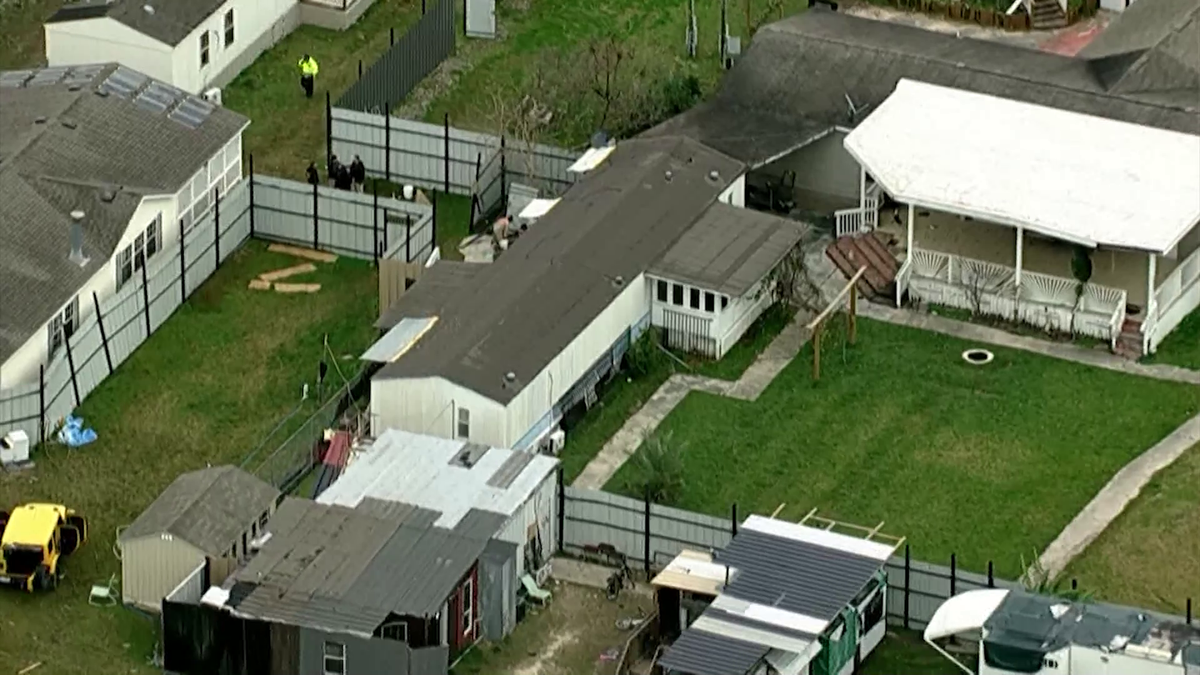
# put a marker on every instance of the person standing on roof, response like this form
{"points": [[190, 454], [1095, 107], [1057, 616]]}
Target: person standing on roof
{"points": [[308, 73]]}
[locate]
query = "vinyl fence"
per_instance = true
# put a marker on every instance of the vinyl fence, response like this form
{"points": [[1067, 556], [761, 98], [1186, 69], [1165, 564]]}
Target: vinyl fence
{"points": [[651, 535], [406, 62], [442, 157], [263, 207]]}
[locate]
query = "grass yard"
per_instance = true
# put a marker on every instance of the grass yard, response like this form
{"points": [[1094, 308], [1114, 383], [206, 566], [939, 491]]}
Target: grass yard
{"points": [[986, 462], [1150, 557], [22, 40], [1182, 347], [206, 388], [903, 652]]}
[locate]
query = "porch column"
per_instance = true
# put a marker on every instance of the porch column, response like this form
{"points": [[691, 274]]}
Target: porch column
{"points": [[1020, 252], [912, 213], [1151, 270], [862, 187]]}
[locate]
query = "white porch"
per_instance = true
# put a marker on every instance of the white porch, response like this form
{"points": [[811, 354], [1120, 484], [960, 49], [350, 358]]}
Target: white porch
{"points": [[991, 222]]}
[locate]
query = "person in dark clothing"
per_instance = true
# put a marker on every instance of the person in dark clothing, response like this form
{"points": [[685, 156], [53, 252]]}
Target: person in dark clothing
{"points": [[343, 180], [314, 178], [358, 173], [332, 170]]}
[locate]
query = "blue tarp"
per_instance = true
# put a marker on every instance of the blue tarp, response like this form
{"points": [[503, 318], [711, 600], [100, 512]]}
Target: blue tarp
{"points": [[73, 435]]}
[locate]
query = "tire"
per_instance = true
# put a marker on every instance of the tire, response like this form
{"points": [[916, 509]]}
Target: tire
{"points": [[40, 579]]}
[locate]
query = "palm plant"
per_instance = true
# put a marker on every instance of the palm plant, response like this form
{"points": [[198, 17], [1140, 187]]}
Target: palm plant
{"points": [[1037, 580], [661, 467]]}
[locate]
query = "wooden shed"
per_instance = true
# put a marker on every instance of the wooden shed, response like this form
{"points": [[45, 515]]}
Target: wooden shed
{"points": [[213, 513]]}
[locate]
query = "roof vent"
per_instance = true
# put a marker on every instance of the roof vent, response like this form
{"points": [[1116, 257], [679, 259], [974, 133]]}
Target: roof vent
{"points": [[510, 378], [714, 176], [669, 175], [618, 281], [77, 256], [40, 119], [70, 124], [107, 195], [102, 93], [74, 87], [148, 9]]}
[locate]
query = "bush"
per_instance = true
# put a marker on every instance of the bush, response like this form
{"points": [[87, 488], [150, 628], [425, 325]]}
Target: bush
{"points": [[678, 93], [645, 355], [661, 463]]}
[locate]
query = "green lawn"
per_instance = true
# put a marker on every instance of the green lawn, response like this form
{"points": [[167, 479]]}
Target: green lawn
{"points": [[986, 462], [206, 388], [1182, 347], [1150, 557], [903, 652]]}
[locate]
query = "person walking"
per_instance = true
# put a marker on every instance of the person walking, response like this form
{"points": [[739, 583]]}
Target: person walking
{"points": [[343, 180], [332, 170], [308, 73], [358, 173], [314, 178]]}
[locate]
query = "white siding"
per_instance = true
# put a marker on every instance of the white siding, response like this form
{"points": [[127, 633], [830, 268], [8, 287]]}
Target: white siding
{"points": [[151, 567], [739, 315], [542, 508], [251, 19], [735, 194], [71, 43], [430, 406], [565, 370]]}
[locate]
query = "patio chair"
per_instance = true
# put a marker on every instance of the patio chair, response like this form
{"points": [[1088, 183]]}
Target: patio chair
{"points": [[534, 591], [105, 594]]}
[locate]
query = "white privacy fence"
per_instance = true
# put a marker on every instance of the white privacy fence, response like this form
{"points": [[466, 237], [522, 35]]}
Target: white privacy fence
{"points": [[442, 157], [262, 207]]}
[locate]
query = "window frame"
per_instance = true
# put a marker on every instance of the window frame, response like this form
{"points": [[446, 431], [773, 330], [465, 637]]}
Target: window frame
{"points": [[62, 326], [694, 298], [138, 252], [205, 50], [710, 302], [339, 658], [401, 636], [227, 23], [662, 290], [724, 302], [468, 606], [462, 423], [677, 295]]}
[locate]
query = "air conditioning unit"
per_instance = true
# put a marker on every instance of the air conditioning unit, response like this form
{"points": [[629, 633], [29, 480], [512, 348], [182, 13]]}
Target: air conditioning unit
{"points": [[212, 95], [14, 448]]}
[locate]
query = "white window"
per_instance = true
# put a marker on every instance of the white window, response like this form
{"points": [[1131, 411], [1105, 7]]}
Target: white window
{"points": [[204, 56], [464, 423], [397, 630], [63, 326], [468, 610], [335, 658], [228, 28], [145, 244]]}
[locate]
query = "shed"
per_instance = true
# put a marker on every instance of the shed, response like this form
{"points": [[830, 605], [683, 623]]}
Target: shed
{"points": [[211, 513]]}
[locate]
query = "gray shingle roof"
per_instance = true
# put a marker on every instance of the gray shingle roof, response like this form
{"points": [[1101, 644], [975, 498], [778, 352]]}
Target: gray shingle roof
{"points": [[61, 146], [729, 249], [209, 509], [802, 69], [345, 570], [170, 22], [698, 652], [1158, 44], [518, 313], [438, 285]]}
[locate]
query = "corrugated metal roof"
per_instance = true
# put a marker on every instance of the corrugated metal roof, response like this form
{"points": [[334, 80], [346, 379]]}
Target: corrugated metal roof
{"points": [[421, 470], [699, 652], [398, 340]]}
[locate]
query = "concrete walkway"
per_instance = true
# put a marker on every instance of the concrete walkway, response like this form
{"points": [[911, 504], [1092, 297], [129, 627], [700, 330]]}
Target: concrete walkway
{"points": [[1115, 496], [748, 387]]}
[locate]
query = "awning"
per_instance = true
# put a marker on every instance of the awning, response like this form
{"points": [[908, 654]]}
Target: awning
{"points": [[964, 612], [1074, 177]]}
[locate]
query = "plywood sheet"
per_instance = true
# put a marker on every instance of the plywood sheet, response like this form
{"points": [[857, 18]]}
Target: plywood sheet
{"points": [[288, 272], [260, 285], [297, 288], [307, 253]]}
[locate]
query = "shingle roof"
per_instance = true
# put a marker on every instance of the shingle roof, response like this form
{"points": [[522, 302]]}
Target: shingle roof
{"points": [[521, 311], [729, 249], [800, 70], [169, 22], [61, 146], [698, 652], [438, 284], [1157, 42], [209, 509], [338, 569]]}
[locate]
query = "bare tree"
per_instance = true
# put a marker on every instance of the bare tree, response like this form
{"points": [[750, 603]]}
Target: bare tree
{"points": [[606, 56], [976, 285]]}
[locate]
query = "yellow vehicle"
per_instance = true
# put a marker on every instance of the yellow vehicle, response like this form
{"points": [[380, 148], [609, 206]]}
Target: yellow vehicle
{"points": [[33, 540]]}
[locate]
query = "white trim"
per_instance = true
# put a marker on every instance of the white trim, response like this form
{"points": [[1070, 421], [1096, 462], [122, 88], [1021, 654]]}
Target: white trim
{"points": [[759, 636], [799, 146], [811, 535], [771, 615]]}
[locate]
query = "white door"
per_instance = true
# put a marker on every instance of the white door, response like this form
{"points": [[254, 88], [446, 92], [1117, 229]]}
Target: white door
{"points": [[481, 18]]}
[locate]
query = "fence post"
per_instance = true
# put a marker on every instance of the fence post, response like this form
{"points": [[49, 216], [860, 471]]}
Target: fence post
{"points": [[71, 363], [433, 221], [446, 152], [360, 69], [392, 36], [316, 227], [991, 576], [103, 333], [503, 178], [1189, 611], [407, 237], [474, 197], [146, 299], [251, 196], [375, 220], [562, 510], [387, 144], [953, 574], [41, 403], [328, 129], [216, 225], [182, 265], [907, 581], [646, 536], [733, 519], [422, 7]]}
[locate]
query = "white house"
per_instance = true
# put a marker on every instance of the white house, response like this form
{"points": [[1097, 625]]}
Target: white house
{"points": [[193, 45], [134, 158], [498, 353]]}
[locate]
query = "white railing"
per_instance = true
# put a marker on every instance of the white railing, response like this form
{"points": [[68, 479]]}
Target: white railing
{"points": [[902, 277], [1162, 310], [1048, 302], [850, 222]]}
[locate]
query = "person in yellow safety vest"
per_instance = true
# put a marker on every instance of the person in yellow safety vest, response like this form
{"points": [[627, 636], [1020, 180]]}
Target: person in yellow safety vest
{"points": [[308, 72]]}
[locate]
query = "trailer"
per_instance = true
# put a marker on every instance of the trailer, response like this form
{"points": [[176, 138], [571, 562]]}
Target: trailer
{"points": [[1021, 633]]}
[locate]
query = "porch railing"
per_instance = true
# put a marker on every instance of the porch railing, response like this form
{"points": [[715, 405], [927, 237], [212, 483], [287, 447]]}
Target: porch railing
{"points": [[1161, 312], [860, 219], [1046, 301], [902, 277]]}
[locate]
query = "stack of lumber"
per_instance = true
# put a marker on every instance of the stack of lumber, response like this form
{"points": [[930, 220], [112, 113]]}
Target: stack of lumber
{"points": [[272, 280]]}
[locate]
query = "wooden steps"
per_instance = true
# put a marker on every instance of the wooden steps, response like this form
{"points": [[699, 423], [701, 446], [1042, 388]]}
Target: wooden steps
{"points": [[851, 253], [1047, 15], [1129, 342]]}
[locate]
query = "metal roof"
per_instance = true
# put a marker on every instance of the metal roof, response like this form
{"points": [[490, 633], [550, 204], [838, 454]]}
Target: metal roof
{"points": [[729, 249], [699, 652], [209, 509], [427, 472]]}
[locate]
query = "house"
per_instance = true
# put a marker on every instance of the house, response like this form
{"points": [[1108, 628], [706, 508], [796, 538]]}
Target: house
{"points": [[211, 513], [341, 591], [452, 478], [497, 353], [1020, 632], [783, 598], [132, 157], [807, 81], [192, 45]]}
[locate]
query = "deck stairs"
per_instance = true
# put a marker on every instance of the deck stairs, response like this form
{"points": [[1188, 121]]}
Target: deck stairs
{"points": [[849, 254], [1047, 15], [1129, 342]]}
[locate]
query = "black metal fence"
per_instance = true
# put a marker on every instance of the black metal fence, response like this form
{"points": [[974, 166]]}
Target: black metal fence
{"points": [[406, 62]]}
